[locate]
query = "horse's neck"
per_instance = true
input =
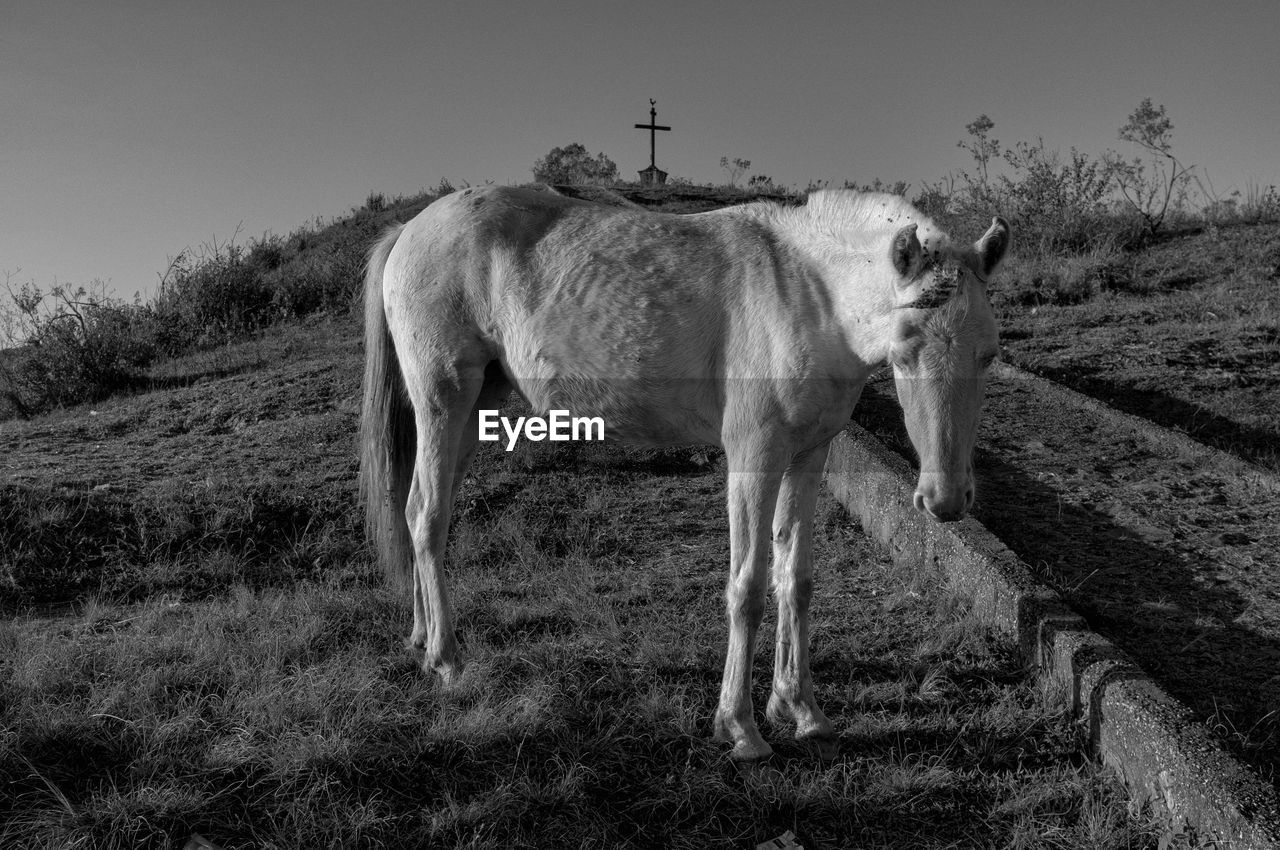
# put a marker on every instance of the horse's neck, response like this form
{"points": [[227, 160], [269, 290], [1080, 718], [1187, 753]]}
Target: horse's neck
{"points": [[857, 285], [864, 309]]}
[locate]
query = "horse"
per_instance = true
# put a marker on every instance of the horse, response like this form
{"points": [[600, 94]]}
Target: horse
{"points": [[752, 327]]}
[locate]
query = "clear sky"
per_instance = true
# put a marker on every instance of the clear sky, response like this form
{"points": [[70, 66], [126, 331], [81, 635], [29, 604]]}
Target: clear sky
{"points": [[130, 130]]}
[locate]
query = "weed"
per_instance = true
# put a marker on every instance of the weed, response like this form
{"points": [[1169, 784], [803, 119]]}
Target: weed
{"points": [[1150, 188]]}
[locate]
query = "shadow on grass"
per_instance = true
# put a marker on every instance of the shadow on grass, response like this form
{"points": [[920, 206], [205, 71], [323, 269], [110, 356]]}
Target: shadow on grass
{"points": [[1179, 627], [61, 545], [584, 723], [590, 770], [152, 383], [1252, 444]]}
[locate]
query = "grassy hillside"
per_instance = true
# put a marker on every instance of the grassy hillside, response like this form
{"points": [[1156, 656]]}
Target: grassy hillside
{"points": [[1181, 330], [84, 346], [197, 642], [1184, 332]]}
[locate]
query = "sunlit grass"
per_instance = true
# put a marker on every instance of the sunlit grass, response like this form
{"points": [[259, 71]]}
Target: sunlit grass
{"points": [[222, 661], [294, 716], [1182, 333]]}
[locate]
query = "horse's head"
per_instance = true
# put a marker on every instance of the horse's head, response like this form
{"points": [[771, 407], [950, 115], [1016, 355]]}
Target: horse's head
{"points": [[942, 340]]}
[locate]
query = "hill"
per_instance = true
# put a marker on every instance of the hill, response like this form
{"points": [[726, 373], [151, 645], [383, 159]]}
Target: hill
{"points": [[1182, 331], [198, 642]]}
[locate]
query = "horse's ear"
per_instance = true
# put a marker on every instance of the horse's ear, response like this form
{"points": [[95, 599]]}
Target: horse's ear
{"points": [[992, 247], [905, 252]]}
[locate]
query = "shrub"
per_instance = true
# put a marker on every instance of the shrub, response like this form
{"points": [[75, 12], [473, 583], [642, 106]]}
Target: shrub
{"points": [[1061, 205], [1056, 205], [1260, 205], [319, 282], [935, 199], [1150, 188], [78, 345], [216, 296], [1256, 205], [735, 168], [572, 164], [267, 254]]}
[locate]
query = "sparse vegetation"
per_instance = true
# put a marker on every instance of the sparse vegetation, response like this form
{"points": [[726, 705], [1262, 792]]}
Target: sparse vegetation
{"points": [[82, 345], [1079, 221], [1058, 207], [573, 165], [735, 168], [247, 682], [1149, 188], [198, 643]]}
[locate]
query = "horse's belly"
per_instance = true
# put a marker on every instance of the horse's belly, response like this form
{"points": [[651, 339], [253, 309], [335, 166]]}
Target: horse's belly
{"points": [[644, 411]]}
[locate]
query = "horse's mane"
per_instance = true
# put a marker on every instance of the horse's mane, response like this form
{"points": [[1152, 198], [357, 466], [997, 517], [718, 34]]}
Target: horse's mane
{"points": [[862, 222]]}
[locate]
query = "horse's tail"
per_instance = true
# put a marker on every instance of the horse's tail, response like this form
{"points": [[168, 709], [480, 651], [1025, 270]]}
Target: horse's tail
{"points": [[387, 430]]}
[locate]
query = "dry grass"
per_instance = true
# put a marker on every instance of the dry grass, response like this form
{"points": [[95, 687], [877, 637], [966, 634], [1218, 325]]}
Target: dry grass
{"points": [[200, 646], [1183, 333], [276, 707], [294, 719]]}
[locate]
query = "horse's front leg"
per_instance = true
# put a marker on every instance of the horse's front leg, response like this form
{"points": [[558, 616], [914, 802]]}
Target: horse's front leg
{"points": [[792, 697], [752, 495]]}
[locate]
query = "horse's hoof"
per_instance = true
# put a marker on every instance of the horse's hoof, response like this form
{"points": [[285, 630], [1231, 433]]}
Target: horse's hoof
{"points": [[450, 673], [748, 747], [747, 752]]}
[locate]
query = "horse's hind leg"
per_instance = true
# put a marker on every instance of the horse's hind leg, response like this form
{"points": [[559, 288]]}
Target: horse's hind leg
{"points": [[445, 390], [792, 696], [493, 393]]}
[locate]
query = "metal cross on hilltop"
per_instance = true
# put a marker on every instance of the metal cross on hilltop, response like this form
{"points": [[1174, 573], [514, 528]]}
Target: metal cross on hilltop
{"points": [[652, 174]]}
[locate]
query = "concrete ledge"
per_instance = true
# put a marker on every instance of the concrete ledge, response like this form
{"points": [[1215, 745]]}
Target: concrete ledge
{"points": [[1148, 737]]}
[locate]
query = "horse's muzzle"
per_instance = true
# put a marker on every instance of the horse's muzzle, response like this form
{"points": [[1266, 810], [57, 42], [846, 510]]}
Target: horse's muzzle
{"points": [[949, 506]]}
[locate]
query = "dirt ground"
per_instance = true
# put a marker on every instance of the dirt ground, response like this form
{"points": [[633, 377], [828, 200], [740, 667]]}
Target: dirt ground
{"points": [[1175, 559], [1185, 334], [1172, 559], [587, 579], [1173, 555]]}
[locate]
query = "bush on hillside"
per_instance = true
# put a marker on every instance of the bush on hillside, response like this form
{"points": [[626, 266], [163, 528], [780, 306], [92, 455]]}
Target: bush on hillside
{"points": [[78, 345], [1155, 188], [1074, 215], [216, 296], [226, 292], [1056, 205], [573, 165]]}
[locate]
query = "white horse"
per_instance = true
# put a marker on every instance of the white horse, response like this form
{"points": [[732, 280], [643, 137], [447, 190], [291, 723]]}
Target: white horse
{"points": [[752, 328]]}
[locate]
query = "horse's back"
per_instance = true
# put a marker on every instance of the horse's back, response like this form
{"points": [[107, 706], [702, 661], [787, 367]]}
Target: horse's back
{"points": [[634, 316]]}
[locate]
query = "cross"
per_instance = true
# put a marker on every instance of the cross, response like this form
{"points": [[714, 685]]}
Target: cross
{"points": [[651, 126]]}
